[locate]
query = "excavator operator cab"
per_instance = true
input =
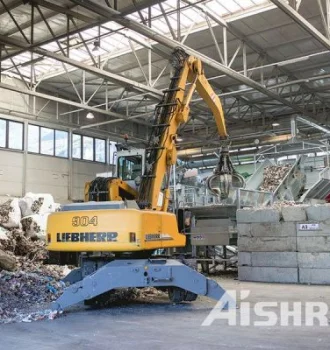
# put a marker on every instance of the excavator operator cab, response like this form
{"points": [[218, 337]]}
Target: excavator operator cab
{"points": [[130, 166]]}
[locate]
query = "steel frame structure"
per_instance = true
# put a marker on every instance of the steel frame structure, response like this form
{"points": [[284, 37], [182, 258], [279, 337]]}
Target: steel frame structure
{"points": [[254, 94]]}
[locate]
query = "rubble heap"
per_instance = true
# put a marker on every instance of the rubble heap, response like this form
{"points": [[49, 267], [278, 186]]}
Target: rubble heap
{"points": [[273, 175], [26, 284]]}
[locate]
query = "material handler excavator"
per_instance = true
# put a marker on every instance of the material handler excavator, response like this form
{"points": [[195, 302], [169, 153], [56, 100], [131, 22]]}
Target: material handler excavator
{"points": [[116, 231]]}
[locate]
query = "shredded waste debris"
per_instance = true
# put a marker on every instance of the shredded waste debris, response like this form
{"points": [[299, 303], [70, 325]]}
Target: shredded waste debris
{"points": [[27, 284], [273, 175]]}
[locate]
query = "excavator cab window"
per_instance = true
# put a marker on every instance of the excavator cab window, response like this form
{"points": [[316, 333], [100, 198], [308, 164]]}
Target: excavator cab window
{"points": [[129, 167]]}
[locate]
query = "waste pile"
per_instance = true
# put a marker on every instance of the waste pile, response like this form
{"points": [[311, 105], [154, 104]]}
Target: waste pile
{"points": [[273, 175], [26, 284]]}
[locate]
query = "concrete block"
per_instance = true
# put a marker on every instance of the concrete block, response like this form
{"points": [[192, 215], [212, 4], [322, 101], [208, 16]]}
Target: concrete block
{"points": [[267, 244], [294, 213], [258, 215], [318, 212], [244, 229], [274, 259], [272, 229], [244, 259], [314, 260], [313, 244], [268, 274], [322, 230], [314, 276]]}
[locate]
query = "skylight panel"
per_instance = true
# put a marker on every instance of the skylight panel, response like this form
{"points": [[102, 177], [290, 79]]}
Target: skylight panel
{"points": [[230, 5], [193, 15], [216, 8], [50, 47], [259, 2], [245, 4], [171, 3], [79, 54], [160, 25]]}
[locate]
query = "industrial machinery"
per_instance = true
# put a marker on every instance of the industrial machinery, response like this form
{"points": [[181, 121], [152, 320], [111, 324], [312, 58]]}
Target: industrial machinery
{"points": [[116, 235]]}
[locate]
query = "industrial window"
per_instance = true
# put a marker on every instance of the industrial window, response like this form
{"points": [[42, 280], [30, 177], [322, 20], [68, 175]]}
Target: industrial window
{"points": [[11, 134], [15, 132], [3, 132], [88, 148], [33, 138], [61, 144], [47, 141], [100, 150], [76, 146]]}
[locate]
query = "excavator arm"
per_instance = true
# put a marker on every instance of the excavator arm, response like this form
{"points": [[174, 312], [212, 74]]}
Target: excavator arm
{"points": [[170, 113]]}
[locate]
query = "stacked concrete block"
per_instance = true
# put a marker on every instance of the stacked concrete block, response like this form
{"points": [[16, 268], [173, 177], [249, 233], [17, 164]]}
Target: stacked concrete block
{"points": [[313, 246], [288, 244]]}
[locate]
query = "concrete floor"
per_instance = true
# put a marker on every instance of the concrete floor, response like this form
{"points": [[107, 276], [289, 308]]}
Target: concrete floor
{"points": [[159, 325]]}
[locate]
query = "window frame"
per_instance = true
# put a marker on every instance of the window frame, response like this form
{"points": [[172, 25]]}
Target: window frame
{"points": [[54, 142], [81, 150], [25, 143], [6, 147], [67, 144], [94, 149]]}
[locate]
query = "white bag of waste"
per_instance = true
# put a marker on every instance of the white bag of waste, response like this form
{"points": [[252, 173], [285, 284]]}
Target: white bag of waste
{"points": [[10, 214], [37, 203], [3, 234], [35, 225]]}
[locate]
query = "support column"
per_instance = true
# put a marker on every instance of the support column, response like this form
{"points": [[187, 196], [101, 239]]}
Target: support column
{"points": [[70, 183], [25, 155]]}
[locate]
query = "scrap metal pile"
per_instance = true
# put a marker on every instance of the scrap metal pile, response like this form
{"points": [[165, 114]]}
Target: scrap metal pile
{"points": [[273, 176]]}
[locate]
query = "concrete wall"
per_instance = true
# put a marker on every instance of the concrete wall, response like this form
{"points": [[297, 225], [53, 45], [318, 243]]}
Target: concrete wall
{"points": [[290, 244], [45, 174]]}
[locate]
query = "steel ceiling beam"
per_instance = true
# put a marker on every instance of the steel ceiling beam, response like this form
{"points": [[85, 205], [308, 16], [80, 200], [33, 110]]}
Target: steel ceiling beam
{"points": [[292, 13], [172, 44], [120, 80], [11, 6], [84, 26], [67, 102]]}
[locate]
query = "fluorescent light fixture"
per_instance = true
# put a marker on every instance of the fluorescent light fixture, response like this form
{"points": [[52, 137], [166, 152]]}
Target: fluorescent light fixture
{"points": [[90, 115], [179, 139], [248, 149], [276, 124], [294, 60]]}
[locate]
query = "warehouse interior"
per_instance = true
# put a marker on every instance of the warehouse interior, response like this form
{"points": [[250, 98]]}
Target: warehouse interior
{"points": [[84, 85]]}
